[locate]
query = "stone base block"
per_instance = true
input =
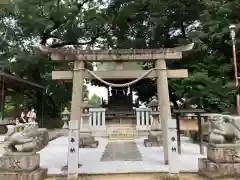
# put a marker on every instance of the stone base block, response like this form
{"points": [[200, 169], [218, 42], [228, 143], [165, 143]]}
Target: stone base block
{"points": [[19, 162], [93, 144], [39, 174], [88, 142], [151, 143], [154, 139], [224, 153], [218, 170], [155, 135]]}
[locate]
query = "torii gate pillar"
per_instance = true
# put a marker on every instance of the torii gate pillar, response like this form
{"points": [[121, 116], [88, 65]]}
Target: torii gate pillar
{"points": [[163, 102], [74, 124]]}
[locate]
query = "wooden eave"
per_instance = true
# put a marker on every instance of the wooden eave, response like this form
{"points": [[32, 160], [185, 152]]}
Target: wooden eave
{"points": [[12, 81]]}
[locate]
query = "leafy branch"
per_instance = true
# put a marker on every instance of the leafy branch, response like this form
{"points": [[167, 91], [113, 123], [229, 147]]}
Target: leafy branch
{"points": [[50, 29]]}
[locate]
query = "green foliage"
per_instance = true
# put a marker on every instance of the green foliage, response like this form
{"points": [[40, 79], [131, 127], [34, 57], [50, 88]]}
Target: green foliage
{"points": [[94, 100], [23, 25], [125, 24], [152, 24], [8, 111]]}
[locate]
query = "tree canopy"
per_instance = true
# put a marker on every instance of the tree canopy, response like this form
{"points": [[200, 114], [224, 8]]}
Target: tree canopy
{"points": [[24, 24], [94, 100]]}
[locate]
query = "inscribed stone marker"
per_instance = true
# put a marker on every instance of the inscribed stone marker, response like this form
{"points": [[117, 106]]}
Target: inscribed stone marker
{"points": [[73, 146], [173, 148]]}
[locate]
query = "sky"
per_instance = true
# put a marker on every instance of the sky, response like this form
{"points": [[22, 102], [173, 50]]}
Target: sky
{"points": [[100, 91]]}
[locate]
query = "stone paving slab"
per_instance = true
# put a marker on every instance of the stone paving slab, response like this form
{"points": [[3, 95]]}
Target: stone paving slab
{"points": [[121, 151], [54, 157], [55, 133]]}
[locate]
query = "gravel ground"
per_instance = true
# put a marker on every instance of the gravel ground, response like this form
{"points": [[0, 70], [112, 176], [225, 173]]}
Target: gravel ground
{"points": [[140, 177]]}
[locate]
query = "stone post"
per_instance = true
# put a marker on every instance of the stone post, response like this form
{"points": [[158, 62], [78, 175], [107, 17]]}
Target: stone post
{"points": [[173, 148], [76, 111], [163, 102], [138, 119]]}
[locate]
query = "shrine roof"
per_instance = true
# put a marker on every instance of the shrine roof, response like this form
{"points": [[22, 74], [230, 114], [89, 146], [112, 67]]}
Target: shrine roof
{"points": [[12, 81]]}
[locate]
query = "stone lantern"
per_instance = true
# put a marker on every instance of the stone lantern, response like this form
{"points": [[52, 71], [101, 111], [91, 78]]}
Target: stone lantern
{"points": [[86, 138], [155, 134], [153, 105], [65, 118], [84, 125]]}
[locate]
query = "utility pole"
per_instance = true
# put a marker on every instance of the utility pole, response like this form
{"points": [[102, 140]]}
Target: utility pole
{"points": [[233, 37]]}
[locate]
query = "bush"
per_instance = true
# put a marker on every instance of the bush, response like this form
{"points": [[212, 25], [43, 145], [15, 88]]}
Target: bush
{"points": [[9, 110]]}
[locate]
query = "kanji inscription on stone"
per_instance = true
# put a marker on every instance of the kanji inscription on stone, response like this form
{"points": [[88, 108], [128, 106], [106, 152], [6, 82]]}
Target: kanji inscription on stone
{"points": [[14, 163], [174, 149], [72, 150]]}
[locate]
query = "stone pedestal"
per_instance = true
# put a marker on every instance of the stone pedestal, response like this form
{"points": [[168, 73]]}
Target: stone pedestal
{"points": [[222, 161], [154, 139], [86, 138], [21, 167], [65, 124]]}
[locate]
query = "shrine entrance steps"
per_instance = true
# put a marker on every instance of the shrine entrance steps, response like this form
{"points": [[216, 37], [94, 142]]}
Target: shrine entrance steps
{"points": [[122, 132]]}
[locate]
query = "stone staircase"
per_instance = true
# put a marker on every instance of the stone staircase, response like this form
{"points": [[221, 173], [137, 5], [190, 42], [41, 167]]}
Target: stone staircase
{"points": [[122, 132]]}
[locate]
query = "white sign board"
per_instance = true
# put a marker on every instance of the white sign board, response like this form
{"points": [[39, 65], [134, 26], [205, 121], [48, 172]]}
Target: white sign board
{"points": [[173, 147], [73, 147]]}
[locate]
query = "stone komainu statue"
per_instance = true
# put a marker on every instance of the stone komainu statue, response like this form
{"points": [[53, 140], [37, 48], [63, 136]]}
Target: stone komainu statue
{"points": [[31, 139], [225, 129]]}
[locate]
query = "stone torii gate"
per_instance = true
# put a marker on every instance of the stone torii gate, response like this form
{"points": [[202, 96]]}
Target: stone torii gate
{"points": [[120, 56]]}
